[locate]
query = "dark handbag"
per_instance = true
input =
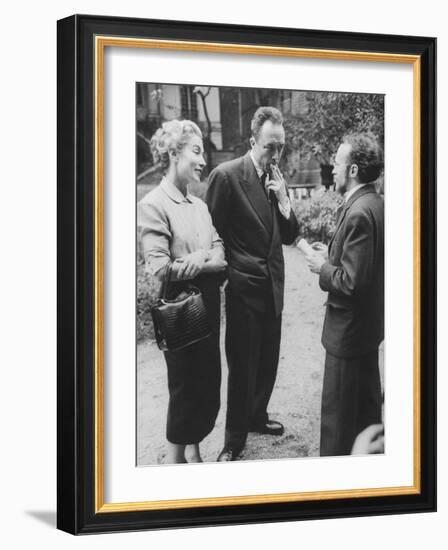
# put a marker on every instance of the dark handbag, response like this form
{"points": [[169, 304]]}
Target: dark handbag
{"points": [[181, 321]]}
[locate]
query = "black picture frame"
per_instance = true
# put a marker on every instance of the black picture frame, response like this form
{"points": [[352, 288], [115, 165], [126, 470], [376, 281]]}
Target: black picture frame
{"points": [[76, 476]]}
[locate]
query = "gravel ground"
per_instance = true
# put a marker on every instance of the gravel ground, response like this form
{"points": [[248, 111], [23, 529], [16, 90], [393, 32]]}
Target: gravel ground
{"points": [[296, 397]]}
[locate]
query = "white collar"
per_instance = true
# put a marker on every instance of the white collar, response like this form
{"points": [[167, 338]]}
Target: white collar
{"points": [[173, 192]]}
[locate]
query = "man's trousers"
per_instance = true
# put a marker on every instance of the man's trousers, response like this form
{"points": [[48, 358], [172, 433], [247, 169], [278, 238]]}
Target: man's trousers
{"points": [[252, 349]]}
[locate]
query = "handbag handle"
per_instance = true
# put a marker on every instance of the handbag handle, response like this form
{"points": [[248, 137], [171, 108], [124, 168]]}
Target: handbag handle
{"points": [[166, 280]]}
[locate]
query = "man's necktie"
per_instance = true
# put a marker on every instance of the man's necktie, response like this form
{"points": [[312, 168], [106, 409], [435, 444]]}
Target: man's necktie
{"points": [[262, 182]]}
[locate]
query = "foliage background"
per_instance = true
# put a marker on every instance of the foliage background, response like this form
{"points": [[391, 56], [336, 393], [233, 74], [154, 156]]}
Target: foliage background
{"points": [[331, 115]]}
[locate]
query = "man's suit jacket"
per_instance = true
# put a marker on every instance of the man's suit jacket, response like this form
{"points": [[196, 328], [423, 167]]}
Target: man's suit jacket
{"points": [[354, 278], [253, 231]]}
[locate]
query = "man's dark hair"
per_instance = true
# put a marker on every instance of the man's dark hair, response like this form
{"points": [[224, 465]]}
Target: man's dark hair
{"points": [[367, 154], [261, 115]]}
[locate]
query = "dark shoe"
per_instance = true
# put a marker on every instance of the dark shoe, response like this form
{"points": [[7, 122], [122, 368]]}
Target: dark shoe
{"points": [[271, 427], [227, 455]]}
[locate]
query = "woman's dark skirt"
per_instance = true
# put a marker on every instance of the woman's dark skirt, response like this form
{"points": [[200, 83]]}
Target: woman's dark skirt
{"points": [[194, 377]]}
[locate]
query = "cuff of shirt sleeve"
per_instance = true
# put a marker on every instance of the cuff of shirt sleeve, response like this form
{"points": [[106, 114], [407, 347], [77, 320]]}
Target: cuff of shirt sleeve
{"points": [[285, 211]]}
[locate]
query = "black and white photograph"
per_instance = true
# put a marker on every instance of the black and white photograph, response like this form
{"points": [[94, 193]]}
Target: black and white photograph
{"points": [[260, 273], [246, 242]]}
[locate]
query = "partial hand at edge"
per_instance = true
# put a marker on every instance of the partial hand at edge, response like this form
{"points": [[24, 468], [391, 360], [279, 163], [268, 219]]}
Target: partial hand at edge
{"points": [[215, 265]]}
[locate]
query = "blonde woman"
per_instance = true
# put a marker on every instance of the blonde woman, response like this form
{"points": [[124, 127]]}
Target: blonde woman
{"points": [[176, 229]]}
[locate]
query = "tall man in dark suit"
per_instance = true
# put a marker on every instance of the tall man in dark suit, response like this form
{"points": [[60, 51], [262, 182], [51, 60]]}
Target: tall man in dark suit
{"points": [[353, 275], [250, 207]]}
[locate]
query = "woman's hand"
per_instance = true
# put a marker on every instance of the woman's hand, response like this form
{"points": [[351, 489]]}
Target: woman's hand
{"points": [[191, 265]]}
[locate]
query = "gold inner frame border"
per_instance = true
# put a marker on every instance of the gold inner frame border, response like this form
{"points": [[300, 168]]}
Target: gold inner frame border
{"points": [[101, 42]]}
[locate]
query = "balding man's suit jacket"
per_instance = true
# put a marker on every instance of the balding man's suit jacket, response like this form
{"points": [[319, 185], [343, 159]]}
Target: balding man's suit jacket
{"points": [[354, 278]]}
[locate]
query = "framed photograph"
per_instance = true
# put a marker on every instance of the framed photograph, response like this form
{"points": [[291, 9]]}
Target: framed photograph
{"points": [[246, 274]]}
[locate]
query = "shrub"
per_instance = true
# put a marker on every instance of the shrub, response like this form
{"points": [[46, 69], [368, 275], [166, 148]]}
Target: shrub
{"points": [[147, 293], [317, 216]]}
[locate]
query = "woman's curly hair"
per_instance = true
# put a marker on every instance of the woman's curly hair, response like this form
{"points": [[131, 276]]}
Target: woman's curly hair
{"points": [[173, 135]]}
